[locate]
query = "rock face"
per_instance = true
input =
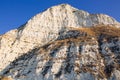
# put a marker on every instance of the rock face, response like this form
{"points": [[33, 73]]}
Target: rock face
{"points": [[62, 43]]}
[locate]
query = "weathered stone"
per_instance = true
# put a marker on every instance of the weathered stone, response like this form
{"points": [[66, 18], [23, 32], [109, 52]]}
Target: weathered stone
{"points": [[54, 46]]}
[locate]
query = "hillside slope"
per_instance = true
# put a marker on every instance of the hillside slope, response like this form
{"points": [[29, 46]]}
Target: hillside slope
{"points": [[62, 43]]}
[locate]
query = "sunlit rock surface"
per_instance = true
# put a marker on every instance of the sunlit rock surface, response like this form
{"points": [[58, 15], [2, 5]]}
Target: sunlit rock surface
{"points": [[62, 43]]}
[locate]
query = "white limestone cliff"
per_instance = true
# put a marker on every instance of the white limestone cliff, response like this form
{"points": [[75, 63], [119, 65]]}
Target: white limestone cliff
{"points": [[46, 27]]}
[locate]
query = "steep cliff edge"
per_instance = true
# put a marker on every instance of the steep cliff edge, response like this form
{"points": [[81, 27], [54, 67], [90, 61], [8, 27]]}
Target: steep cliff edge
{"points": [[62, 43]]}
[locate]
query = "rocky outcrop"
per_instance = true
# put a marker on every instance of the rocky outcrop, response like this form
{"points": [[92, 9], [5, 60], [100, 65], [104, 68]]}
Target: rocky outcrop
{"points": [[62, 43]]}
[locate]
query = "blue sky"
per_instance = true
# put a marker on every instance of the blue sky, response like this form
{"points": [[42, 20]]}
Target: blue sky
{"points": [[14, 13]]}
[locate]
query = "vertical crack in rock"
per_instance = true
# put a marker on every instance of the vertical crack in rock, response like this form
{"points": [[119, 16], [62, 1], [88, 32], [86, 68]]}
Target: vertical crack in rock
{"points": [[49, 64], [59, 72], [70, 58]]}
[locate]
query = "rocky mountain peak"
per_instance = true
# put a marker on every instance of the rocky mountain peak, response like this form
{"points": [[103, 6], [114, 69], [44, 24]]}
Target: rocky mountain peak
{"points": [[49, 23], [66, 15], [62, 43]]}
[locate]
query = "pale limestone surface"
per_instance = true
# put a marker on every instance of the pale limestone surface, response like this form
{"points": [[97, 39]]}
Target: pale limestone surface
{"points": [[46, 27]]}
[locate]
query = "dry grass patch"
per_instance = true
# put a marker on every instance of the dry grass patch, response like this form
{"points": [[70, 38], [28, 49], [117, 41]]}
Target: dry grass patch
{"points": [[84, 29], [6, 78], [106, 30], [100, 29]]}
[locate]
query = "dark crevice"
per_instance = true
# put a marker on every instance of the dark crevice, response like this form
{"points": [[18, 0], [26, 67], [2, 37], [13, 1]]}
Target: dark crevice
{"points": [[44, 72], [70, 55], [59, 73], [50, 62], [100, 38], [80, 48], [69, 67], [108, 70]]}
